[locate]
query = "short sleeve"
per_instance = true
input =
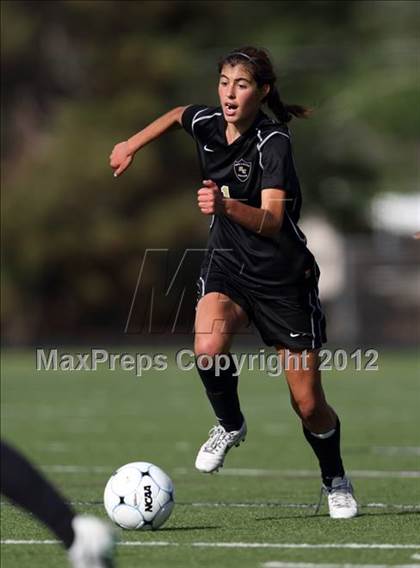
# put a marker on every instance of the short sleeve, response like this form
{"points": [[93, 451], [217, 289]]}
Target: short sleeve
{"points": [[189, 116], [277, 163]]}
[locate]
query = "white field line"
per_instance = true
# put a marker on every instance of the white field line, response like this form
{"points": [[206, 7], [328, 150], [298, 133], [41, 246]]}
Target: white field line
{"points": [[243, 472], [270, 505], [396, 450], [390, 505], [277, 564], [61, 468], [249, 472], [415, 507], [14, 541], [369, 473], [415, 557], [280, 545], [351, 545]]}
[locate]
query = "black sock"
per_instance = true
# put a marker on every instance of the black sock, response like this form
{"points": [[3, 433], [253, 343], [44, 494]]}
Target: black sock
{"points": [[26, 487], [328, 453], [222, 392]]}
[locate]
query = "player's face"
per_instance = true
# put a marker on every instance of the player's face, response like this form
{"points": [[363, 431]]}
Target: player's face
{"points": [[239, 95]]}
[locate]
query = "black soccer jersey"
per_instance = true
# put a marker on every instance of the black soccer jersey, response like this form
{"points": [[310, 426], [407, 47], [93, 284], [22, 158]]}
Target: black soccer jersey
{"points": [[260, 158]]}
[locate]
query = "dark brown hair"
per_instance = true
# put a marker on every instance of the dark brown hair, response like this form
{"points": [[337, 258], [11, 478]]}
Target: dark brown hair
{"points": [[257, 62]]}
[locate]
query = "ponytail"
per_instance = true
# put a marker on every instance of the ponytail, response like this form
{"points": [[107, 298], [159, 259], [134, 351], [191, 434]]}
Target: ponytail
{"points": [[284, 112]]}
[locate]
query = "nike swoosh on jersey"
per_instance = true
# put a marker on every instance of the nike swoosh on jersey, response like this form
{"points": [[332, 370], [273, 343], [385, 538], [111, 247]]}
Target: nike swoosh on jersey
{"points": [[294, 334], [207, 149]]}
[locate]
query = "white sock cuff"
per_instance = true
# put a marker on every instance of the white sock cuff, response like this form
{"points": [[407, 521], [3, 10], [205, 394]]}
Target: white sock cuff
{"points": [[325, 435]]}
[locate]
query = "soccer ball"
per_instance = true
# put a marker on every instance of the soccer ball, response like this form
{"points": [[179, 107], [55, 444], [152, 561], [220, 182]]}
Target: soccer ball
{"points": [[140, 496]]}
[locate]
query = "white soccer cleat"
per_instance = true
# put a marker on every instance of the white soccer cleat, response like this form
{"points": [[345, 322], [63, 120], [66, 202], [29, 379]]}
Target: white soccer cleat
{"points": [[212, 453], [341, 501], [94, 543]]}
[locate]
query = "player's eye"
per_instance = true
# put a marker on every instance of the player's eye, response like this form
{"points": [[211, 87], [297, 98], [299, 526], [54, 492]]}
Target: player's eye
{"points": [[243, 86]]}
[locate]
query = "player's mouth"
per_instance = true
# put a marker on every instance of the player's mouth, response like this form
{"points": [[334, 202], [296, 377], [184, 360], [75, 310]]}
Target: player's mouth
{"points": [[230, 109]]}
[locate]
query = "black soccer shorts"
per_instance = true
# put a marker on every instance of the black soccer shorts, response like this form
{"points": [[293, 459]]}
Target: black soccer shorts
{"points": [[291, 317]]}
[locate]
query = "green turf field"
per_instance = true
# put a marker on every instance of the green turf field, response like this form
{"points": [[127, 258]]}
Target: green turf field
{"points": [[79, 426]]}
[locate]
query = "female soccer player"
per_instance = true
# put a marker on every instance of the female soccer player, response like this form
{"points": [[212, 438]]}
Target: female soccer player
{"points": [[257, 267]]}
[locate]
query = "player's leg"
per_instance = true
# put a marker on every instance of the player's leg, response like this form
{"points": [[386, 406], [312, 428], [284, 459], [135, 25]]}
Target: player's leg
{"points": [[218, 318], [321, 427], [89, 541], [25, 486], [320, 422]]}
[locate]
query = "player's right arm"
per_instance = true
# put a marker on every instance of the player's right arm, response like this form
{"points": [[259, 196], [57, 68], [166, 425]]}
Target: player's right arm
{"points": [[123, 153]]}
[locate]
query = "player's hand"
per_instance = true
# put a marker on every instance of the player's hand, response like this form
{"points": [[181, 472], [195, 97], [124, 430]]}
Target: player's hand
{"points": [[210, 198], [120, 158]]}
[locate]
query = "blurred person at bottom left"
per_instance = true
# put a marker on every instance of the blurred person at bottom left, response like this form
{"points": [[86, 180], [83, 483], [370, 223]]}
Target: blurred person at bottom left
{"points": [[89, 541]]}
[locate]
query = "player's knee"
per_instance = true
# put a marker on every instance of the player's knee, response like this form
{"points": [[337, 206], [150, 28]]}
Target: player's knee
{"points": [[306, 408], [210, 345]]}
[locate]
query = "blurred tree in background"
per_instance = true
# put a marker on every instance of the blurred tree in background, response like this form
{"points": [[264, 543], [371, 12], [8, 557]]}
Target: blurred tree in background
{"points": [[80, 76]]}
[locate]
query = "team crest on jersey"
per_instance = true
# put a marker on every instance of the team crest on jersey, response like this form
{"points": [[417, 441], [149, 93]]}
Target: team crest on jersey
{"points": [[242, 169]]}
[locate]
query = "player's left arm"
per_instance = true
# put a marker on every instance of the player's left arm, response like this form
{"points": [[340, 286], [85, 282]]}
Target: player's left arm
{"points": [[265, 220]]}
